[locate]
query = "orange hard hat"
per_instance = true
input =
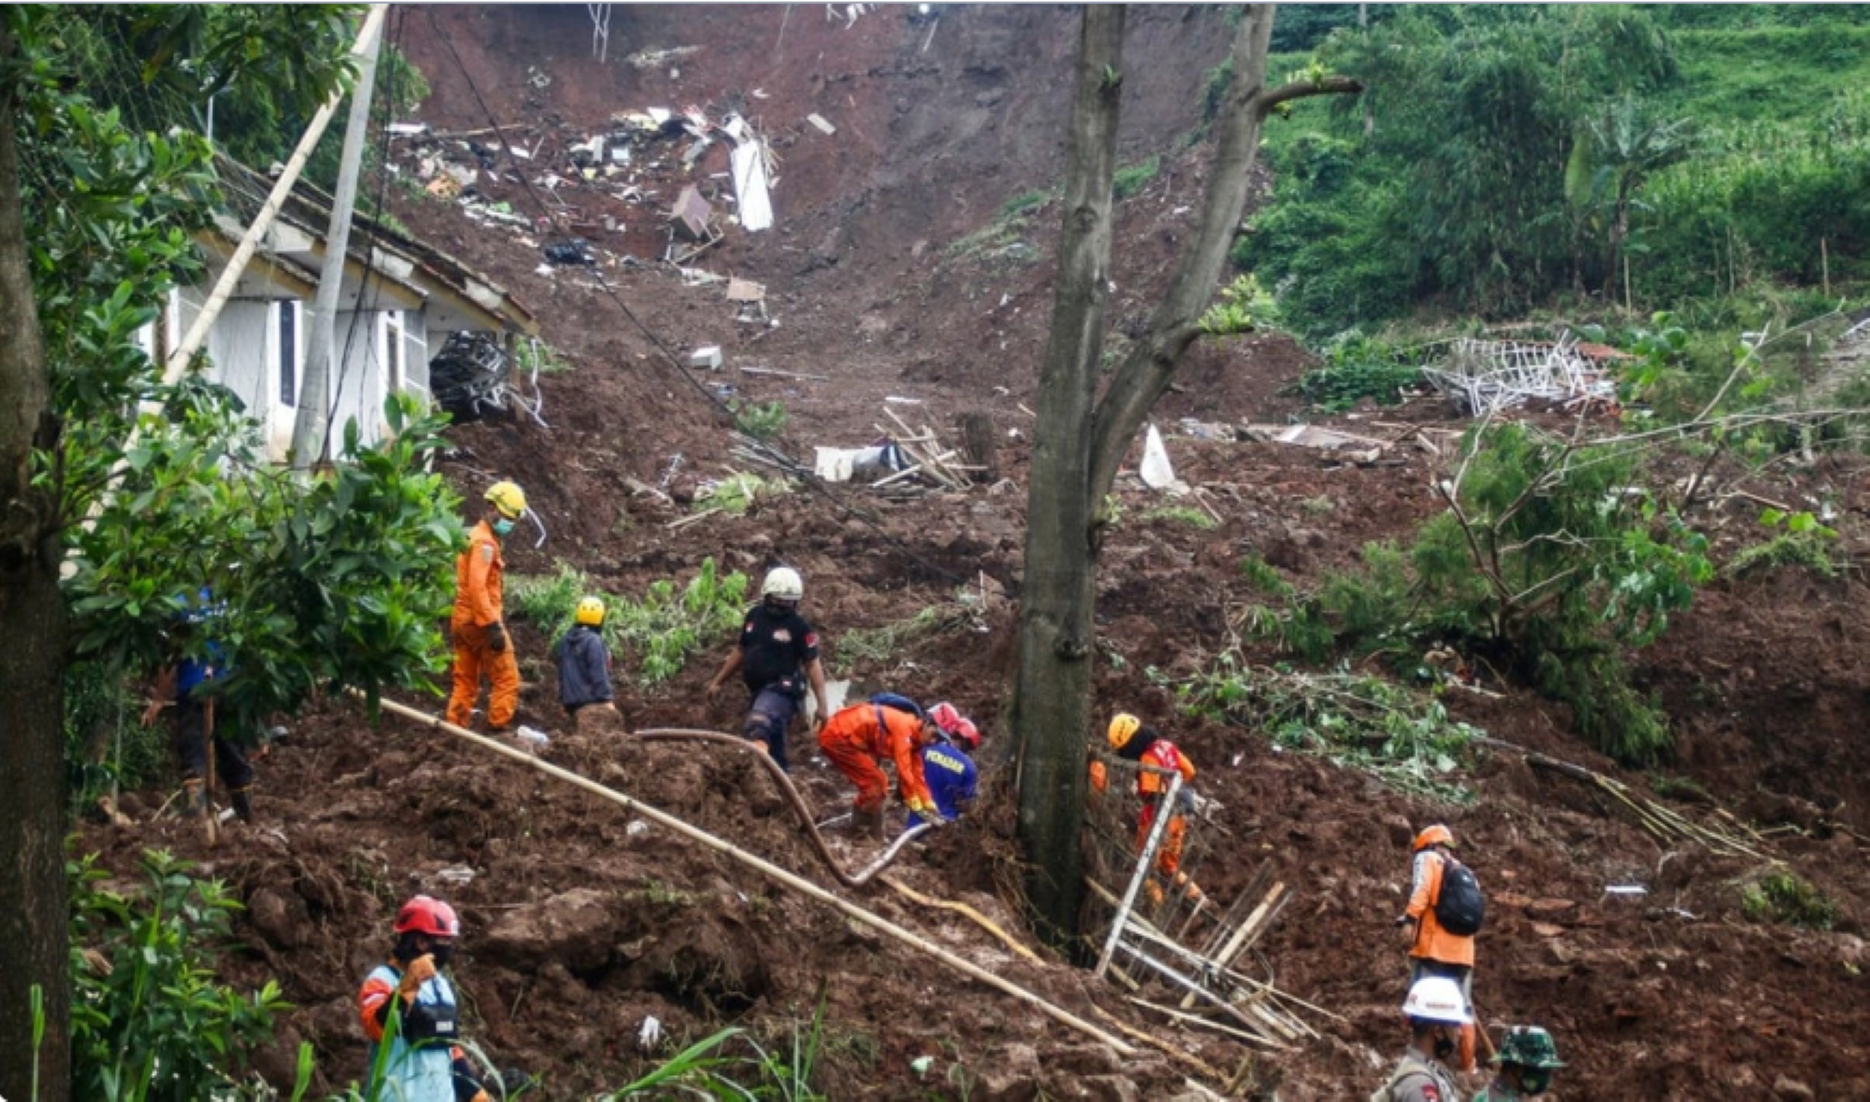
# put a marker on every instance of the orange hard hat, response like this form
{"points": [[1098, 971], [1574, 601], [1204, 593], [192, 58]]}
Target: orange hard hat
{"points": [[1436, 835]]}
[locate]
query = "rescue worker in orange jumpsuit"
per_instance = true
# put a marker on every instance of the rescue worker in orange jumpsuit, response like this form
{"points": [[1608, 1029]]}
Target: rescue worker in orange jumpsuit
{"points": [[1132, 741], [479, 624], [857, 737], [1433, 951]]}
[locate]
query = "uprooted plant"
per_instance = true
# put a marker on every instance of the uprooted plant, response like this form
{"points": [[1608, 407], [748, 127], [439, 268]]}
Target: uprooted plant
{"points": [[1403, 738], [1549, 559]]}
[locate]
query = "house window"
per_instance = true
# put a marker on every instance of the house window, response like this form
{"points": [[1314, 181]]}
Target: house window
{"points": [[288, 353], [393, 349]]}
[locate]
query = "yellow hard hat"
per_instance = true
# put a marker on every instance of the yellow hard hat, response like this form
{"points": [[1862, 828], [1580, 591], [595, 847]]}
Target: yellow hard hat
{"points": [[591, 611], [1123, 728], [508, 498]]}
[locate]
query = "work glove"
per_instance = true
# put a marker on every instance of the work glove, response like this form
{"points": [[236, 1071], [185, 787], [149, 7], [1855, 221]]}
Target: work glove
{"points": [[496, 637], [420, 971], [481, 1096]]}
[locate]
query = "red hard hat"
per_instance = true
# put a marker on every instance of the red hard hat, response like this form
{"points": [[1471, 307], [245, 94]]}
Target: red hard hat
{"points": [[425, 915], [1436, 835], [966, 734], [946, 716]]}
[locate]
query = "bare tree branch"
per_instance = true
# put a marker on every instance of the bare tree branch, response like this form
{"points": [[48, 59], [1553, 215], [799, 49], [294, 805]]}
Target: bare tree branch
{"points": [[1302, 89]]}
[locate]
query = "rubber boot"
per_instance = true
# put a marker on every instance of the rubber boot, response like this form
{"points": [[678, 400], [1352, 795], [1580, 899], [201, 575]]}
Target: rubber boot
{"points": [[194, 798], [243, 804], [867, 823]]}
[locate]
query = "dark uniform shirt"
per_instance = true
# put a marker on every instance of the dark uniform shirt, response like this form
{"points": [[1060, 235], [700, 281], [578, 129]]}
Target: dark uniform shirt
{"points": [[583, 668], [775, 647]]}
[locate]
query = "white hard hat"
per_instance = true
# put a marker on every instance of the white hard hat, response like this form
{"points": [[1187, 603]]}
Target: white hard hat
{"points": [[784, 583], [1437, 999]]}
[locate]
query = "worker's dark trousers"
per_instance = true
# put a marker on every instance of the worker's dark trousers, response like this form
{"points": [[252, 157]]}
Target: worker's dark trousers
{"points": [[767, 720], [231, 767]]}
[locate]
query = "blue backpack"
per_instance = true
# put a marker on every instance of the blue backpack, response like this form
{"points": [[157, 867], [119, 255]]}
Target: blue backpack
{"points": [[897, 701]]}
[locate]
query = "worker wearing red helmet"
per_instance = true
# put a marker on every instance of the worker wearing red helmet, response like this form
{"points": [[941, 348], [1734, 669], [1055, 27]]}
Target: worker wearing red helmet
{"points": [[424, 1063], [1434, 950], [946, 766]]}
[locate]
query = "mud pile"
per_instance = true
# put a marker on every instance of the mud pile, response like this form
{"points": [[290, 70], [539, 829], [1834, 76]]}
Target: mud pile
{"points": [[581, 922]]}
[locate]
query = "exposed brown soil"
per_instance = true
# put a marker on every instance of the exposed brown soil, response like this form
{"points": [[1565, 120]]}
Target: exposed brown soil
{"points": [[579, 923]]}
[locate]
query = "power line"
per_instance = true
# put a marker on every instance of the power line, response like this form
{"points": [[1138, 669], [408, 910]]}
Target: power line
{"points": [[674, 361]]}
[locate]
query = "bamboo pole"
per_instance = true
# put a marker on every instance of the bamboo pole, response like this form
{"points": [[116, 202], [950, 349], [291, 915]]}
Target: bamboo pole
{"points": [[773, 872], [965, 911], [224, 287], [1156, 831], [1203, 993], [1159, 1044]]}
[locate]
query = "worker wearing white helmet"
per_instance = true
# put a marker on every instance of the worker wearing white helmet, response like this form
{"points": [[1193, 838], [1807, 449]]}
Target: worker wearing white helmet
{"points": [[777, 657], [1437, 1012]]}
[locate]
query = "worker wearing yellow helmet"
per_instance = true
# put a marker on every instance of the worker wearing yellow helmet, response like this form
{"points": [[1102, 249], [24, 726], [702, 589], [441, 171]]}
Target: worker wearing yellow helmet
{"points": [[1131, 740], [584, 668], [479, 624]]}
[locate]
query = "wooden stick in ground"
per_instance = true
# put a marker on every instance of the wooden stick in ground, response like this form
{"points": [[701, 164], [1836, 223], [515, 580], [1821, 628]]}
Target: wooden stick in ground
{"points": [[692, 518], [965, 911], [773, 872], [1205, 1023]]}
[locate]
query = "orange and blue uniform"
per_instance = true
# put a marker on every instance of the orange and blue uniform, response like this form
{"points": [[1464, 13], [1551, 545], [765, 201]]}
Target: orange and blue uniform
{"points": [[479, 605], [859, 736], [424, 1063]]}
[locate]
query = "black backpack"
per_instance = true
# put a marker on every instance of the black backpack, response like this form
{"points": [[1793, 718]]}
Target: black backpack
{"points": [[1459, 906]]}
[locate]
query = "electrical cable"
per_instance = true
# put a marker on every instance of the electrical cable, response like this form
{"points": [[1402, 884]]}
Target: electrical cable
{"points": [[610, 292]]}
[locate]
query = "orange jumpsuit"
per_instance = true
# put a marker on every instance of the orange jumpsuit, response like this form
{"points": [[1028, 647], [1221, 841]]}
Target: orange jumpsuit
{"points": [[1436, 951], [853, 742], [1152, 787], [478, 603]]}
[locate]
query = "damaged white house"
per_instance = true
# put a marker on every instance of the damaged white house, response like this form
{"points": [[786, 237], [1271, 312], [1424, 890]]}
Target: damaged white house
{"points": [[400, 303]]}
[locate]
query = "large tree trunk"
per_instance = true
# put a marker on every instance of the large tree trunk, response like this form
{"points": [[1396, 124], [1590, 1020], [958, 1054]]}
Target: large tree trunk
{"points": [[1077, 446], [34, 927], [1051, 702]]}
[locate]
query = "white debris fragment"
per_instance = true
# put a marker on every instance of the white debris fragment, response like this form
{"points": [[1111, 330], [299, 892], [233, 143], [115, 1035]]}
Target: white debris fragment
{"points": [[1156, 471], [820, 123]]}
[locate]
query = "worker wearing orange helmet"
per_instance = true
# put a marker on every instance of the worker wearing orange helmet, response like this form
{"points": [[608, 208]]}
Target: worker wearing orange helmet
{"points": [[479, 623], [410, 1002], [1435, 950], [1132, 741], [856, 738]]}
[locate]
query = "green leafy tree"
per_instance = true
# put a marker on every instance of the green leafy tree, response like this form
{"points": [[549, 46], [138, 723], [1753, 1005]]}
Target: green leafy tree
{"points": [[1613, 156], [335, 583]]}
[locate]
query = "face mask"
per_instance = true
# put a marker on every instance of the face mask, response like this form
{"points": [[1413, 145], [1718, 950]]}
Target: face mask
{"points": [[443, 952], [1536, 1080], [1444, 1046], [502, 526]]}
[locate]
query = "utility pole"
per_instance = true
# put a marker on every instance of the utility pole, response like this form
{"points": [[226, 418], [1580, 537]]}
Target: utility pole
{"points": [[308, 430]]}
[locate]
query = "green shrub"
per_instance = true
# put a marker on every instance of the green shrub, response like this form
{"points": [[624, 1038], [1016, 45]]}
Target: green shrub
{"points": [[149, 1019], [1130, 180], [737, 492], [536, 355], [664, 628], [1181, 514], [1801, 542], [1550, 568], [1358, 367], [1784, 898], [1025, 202], [762, 422]]}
